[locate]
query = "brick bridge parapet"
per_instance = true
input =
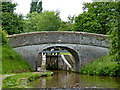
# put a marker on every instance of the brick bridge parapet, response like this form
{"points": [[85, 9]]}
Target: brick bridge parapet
{"points": [[55, 37]]}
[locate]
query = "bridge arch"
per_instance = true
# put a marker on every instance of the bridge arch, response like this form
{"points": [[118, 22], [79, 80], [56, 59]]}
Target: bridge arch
{"points": [[85, 46]]}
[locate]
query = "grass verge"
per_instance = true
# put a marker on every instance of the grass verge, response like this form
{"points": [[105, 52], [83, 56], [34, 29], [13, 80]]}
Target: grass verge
{"points": [[22, 80], [12, 62], [103, 66]]}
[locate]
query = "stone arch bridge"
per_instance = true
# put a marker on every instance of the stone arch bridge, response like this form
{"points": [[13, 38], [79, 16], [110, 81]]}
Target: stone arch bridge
{"points": [[85, 47]]}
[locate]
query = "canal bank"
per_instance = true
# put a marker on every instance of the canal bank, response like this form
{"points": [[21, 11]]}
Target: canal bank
{"points": [[22, 80]]}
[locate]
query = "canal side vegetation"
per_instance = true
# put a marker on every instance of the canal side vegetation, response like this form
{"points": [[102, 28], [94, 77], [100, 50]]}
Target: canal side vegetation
{"points": [[12, 62], [104, 66], [23, 80]]}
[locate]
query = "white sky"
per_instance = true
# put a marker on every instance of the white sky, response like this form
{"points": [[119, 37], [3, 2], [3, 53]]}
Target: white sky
{"points": [[66, 7]]}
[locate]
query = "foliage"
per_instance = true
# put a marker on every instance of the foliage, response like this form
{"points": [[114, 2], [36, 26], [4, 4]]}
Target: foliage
{"points": [[0, 35], [65, 26], [46, 21], [4, 39], [85, 22], [8, 7], [103, 66], [12, 62], [36, 6], [34, 77], [3, 35], [115, 35], [0, 50], [11, 22], [96, 17], [38, 75]]}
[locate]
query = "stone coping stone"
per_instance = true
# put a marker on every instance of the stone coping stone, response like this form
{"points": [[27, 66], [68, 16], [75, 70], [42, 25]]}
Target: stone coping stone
{"points": [[55, 32]]}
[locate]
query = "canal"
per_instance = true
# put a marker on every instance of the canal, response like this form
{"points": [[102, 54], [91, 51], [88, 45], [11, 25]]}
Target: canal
{"points": [[65, 79]]}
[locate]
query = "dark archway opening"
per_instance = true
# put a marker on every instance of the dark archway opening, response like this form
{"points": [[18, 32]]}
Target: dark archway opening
{"points": [[59, 58]]}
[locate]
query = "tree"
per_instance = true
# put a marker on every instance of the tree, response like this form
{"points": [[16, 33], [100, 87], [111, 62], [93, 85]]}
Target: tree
{"points": [[96, 17], [71, 18], [114, 31], [8, 7], [65, 26], [46, 21], [86, 22], [36, 6], [11, 22], [115, 35]]}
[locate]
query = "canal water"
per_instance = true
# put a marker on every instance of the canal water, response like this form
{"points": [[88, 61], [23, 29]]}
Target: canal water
{"points": [[65, 79]]}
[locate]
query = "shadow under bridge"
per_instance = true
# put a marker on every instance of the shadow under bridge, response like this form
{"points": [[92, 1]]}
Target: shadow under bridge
{"points": [[54, 58]]}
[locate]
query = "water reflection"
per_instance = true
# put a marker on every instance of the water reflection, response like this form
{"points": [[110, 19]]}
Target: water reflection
{"points": [[63, 79]]}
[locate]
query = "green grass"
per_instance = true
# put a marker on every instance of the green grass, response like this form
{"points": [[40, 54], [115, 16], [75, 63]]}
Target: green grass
{"points": [[102, 66], [12, 62], [65, 53], [15, 81], [23, 80], [37, 76]]}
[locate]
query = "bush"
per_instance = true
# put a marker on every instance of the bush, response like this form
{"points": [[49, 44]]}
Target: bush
{"points": [[103, 66], [4, 39]]}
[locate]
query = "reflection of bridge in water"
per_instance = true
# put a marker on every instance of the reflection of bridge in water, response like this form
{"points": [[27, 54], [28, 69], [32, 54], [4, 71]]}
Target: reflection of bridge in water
{"points": [[84, 47]]}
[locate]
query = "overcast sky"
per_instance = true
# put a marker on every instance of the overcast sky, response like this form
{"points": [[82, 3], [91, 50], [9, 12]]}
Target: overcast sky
{"points": [[66, 7]]}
